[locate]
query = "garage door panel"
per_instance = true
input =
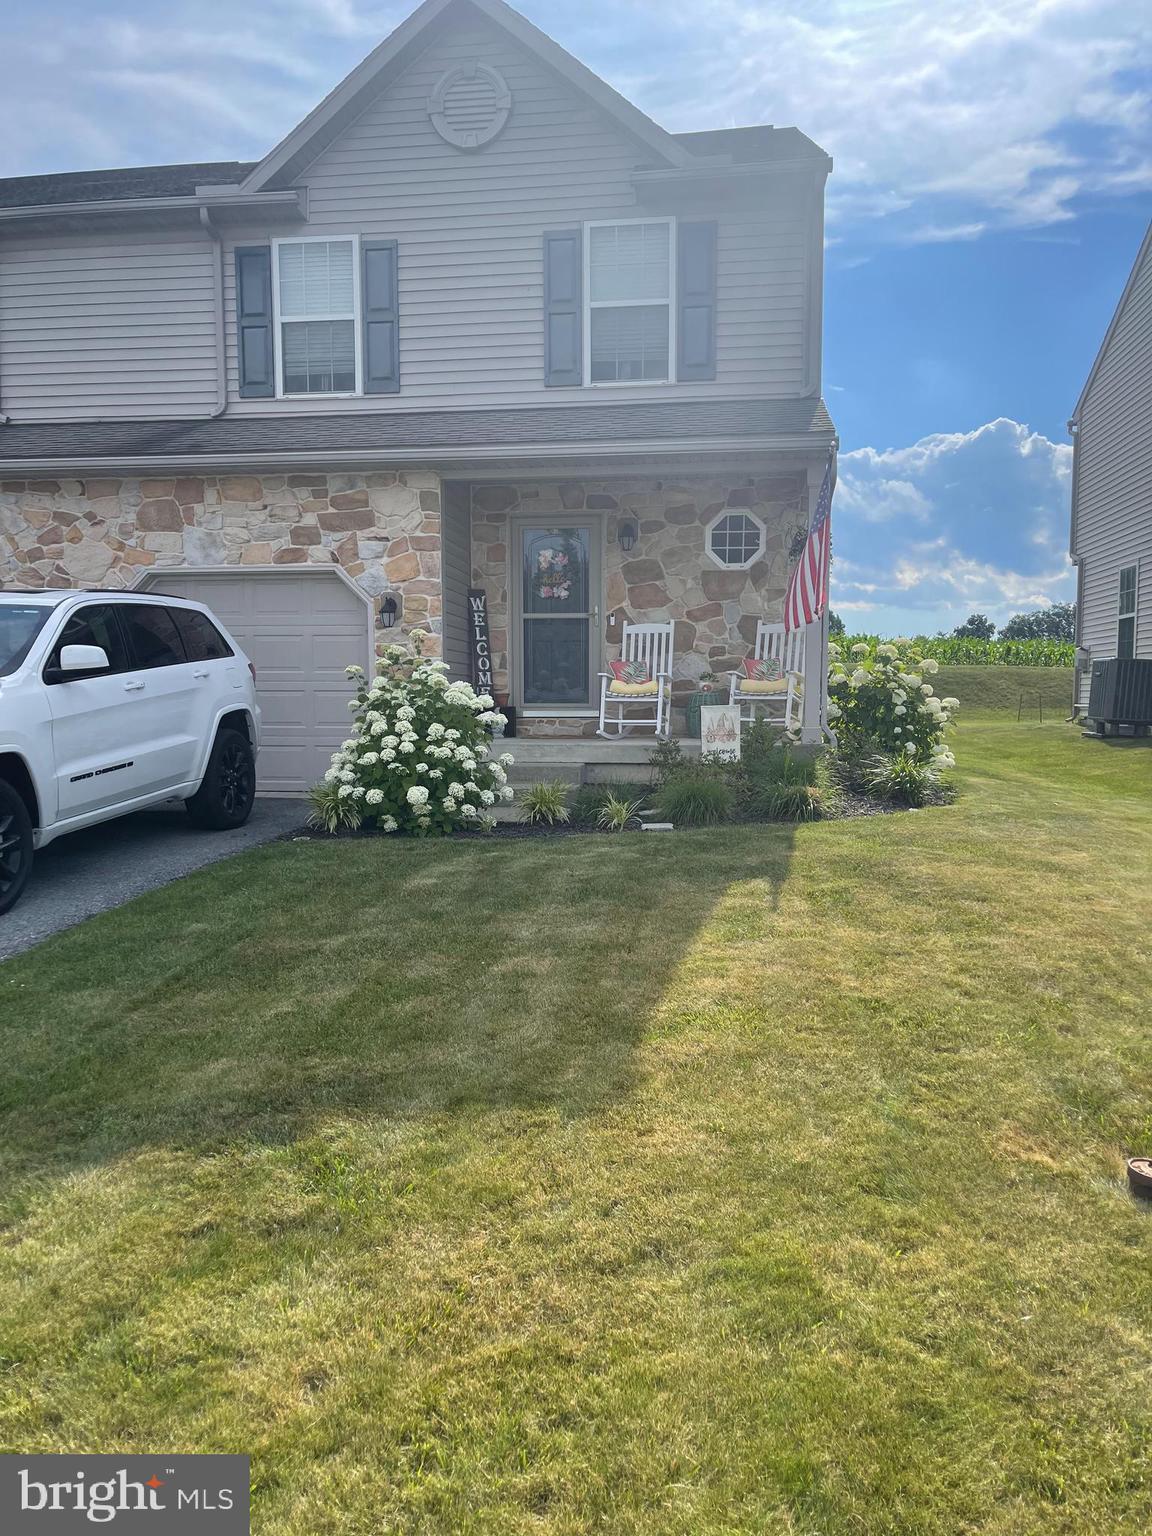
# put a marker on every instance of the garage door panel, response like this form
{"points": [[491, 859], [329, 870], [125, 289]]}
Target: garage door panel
{"points": [[300, 632]]}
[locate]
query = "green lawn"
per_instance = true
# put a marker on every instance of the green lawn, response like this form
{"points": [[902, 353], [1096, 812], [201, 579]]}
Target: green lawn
{"points": [[759, 1181]]}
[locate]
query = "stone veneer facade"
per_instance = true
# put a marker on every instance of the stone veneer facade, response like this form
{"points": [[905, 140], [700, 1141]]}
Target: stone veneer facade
{"points": [[382, 529], [667, 575]]}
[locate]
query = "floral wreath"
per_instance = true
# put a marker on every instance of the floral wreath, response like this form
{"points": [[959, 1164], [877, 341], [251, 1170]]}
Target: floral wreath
{"points": [[551, 578]]}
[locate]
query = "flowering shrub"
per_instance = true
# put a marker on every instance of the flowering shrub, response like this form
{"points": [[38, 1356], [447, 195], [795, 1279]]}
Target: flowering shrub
{"points": [[879, 696], [418, 759]]}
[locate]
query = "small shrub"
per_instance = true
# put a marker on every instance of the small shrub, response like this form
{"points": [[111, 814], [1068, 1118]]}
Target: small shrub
{"points": [[697, 799], [878, 696], [331, 810], [903, 779], [618, 815], [545, 803], [790, 802], [590, 800], [666, 760], [419, 757]]}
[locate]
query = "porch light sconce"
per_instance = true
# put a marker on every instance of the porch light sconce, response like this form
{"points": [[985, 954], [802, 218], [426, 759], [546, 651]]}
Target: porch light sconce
{"points": [[627, 537], [389, 612]]}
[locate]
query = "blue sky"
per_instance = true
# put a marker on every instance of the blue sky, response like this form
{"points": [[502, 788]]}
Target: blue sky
{"points": [[993, 181]]}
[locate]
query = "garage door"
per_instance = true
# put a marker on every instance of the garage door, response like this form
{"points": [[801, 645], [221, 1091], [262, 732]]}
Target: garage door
{"points": [[301, 631]]}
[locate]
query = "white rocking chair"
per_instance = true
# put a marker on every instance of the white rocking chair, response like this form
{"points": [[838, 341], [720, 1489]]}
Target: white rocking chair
{"points": [[772, 644], [652, 645]]}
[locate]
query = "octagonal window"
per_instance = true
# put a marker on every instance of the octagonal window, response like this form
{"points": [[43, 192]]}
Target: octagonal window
{"points": [[736, 540]]}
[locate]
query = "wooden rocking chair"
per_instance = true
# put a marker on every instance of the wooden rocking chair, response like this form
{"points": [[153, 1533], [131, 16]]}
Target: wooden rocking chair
{"points": [[780, 703], [650, 644]]}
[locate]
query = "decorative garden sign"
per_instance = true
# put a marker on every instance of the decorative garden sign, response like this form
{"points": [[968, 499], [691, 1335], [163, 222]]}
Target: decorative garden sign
{"points": [[720, 730], [478, 640]]}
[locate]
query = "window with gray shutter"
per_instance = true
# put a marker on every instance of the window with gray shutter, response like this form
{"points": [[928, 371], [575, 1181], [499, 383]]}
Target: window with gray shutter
{"points": [[254, 321], [381, 306], [563, 309]]}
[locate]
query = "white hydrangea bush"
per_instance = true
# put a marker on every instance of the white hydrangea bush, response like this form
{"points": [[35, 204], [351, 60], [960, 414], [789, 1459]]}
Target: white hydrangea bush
{"points": [[879, 695], [419, 759]]}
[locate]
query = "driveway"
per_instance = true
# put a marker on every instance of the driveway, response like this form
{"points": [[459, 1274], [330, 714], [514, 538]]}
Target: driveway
{"points": [[91, 871]]}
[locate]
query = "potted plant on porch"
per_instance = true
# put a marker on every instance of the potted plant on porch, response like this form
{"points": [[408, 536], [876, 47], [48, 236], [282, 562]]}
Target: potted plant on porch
{"points": [[706, 693]]}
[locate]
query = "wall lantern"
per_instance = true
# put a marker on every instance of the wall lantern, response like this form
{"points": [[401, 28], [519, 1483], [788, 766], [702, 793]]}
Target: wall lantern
{"points": [[389, 612], [627, 537]]}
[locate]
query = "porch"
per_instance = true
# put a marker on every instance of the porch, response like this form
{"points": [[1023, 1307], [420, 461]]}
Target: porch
{"points": [[585, 760], [565, 564]]}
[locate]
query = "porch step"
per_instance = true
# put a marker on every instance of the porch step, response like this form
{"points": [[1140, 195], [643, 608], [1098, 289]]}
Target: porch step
{"points": [[583, 760]]}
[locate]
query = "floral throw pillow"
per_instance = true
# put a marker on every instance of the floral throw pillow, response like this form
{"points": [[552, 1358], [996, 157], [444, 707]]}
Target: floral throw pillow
{"points": [[630, 672], [767, 671]]}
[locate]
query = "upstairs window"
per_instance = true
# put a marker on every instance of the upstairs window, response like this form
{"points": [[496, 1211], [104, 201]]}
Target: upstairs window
{"points": [[628, 317], [1126, 621], [317, 300]]}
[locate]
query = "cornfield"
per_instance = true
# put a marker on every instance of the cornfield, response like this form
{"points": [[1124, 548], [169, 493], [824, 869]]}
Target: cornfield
{"points": [[987, 653]]}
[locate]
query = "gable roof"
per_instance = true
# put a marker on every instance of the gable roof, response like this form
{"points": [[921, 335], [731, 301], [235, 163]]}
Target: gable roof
{"points": [[350, 98], [1144, 254]]}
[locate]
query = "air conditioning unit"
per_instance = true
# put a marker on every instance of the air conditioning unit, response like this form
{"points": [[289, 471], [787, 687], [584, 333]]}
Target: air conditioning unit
{"points": [[1121, 695]]}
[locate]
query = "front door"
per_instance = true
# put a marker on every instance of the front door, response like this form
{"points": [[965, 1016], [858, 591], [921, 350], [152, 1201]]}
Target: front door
{"points": [[558, 604]]}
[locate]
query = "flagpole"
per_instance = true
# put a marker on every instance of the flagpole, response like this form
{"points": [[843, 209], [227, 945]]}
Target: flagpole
{"points": [[824, 625]]}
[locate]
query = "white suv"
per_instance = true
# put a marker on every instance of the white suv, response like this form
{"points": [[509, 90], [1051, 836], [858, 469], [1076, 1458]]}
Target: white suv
{"points": [[112, 701]]}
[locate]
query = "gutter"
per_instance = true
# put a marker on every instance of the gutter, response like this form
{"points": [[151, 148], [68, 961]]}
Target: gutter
{"points": [[291, 201], [218, 307], [209, 462]]}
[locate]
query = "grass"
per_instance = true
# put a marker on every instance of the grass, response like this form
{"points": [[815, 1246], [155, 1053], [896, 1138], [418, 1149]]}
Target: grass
{"points": [[1000, 688], [750, 1180]]}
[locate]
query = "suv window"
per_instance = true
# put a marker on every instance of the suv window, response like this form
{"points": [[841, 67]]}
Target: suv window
{"points": [[19, 626], [202, 640], [95, 625], [152, 636]]}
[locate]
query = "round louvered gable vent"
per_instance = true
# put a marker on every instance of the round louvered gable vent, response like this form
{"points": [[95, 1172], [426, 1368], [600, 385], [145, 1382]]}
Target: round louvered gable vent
{"points": [[470, 105]]}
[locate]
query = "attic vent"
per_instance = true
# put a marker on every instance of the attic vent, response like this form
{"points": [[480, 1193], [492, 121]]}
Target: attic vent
{"points": [[470, 105]]}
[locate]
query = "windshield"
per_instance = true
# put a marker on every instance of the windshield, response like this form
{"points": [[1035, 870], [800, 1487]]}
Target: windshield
{"points": [[20, 623]]}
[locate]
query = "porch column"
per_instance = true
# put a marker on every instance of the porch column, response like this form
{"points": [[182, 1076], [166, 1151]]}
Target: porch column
{"points": [[813, 708]]}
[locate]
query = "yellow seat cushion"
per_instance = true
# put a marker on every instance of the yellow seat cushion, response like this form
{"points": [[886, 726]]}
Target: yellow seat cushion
{"points": [[634, 690], [751, 685]]}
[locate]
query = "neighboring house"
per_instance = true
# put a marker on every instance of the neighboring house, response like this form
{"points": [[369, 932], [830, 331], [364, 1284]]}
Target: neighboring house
{"points": [[1111, 542], [476, 311]]}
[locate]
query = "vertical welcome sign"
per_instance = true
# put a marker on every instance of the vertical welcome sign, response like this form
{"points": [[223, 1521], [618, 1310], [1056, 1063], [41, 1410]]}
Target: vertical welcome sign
{"points": [[478, 640]]}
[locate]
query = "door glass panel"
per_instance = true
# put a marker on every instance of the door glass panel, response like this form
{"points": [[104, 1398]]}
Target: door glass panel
{"points": [[92, 626], [152, 636], [555, 570], [556, 596], [555, 661]]}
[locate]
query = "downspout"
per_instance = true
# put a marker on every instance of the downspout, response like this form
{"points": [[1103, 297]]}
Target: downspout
{"points": [[218, 294]]}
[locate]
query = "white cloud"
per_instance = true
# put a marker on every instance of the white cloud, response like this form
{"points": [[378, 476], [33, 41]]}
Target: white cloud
{"points": [[956, 522]]}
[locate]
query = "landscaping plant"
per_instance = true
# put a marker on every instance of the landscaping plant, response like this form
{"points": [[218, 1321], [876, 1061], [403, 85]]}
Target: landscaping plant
{"points": [[879, 697], [418, 759], [618, 815], [590, 800], [545, 803], [697, 797], [906, 780]]}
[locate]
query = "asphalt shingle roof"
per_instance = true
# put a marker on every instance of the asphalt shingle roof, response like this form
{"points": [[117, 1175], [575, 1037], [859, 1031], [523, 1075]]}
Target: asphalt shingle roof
{"points": [[104, 186], [382, 434]]}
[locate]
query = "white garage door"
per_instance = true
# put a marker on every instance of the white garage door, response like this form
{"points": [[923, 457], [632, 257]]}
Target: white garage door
{"points": [[300, 631]]}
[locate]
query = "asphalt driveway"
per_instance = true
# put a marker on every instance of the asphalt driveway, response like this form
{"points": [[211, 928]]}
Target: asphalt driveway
{"points": [[91, 871]]}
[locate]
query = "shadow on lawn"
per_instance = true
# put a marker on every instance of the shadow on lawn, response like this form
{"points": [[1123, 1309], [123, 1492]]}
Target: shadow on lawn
{"points": [[316, 980]]}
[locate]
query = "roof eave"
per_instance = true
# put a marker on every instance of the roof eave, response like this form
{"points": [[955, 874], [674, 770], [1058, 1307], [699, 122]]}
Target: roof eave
{"points": [[456, 458], [1145, 252], [724, 170], [212, 197]]}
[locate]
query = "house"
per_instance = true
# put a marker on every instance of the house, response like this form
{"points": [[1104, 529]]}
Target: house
{"points": [[1111, 543], [476, 318]]}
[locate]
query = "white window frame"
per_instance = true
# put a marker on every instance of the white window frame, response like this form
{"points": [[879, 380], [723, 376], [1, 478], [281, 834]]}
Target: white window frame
{"points": [[357, 320], [744, 565], [1135, 614], [590, 305]]}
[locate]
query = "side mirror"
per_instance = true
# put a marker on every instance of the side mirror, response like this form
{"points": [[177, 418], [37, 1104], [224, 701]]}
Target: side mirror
{"points": [[83, 658]]}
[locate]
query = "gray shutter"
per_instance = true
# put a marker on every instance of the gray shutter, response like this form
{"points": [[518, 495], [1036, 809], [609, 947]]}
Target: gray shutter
{"points": [[254, 321], [563, 308], [696, 321], [381, 318]]}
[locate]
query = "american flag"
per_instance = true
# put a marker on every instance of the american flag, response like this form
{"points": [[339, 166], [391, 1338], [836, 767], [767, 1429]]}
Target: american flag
{"points": [[808, 584]]}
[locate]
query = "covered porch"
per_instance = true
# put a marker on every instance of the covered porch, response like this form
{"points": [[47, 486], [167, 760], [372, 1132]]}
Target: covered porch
{"points": [[565, 562]]}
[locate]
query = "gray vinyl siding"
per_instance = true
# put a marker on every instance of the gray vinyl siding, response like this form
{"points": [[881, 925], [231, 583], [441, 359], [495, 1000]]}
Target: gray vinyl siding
{"points": [[1113, 481], [470, 228], [456, 574], [106, 325]]}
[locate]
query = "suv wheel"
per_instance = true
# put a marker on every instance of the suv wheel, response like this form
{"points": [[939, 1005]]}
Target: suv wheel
{"points": [[225, 796], [15, 846]]}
